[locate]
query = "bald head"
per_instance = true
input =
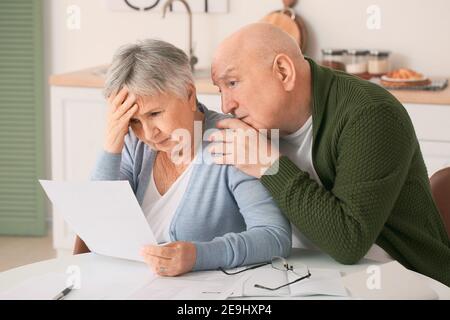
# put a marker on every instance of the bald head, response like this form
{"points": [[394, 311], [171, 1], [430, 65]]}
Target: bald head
{"points": [[258, 41], [263, 78]]}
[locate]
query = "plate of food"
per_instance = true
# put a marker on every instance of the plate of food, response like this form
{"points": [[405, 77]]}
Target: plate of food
{"points": [[404, 77]]}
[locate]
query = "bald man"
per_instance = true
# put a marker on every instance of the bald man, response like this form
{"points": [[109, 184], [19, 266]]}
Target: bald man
{"points": [[348, 171]]}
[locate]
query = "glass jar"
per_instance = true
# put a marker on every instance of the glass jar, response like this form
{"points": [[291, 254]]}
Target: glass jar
{"points": [[378, 62], [333, 58], [356, 62]]}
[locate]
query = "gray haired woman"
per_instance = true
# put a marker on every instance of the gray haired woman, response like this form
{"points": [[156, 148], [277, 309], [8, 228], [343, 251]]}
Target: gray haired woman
{"points": [[209, 215]]}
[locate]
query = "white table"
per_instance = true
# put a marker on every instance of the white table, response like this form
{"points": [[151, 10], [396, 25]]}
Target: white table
{"points": [[129, 275]]}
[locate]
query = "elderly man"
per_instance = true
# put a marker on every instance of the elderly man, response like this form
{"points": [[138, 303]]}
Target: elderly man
{"points": [[348, 172]]}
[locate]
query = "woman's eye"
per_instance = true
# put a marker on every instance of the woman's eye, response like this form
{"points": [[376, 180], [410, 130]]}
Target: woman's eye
{"points": [[154, 114], [232, 83], [134, 121]]}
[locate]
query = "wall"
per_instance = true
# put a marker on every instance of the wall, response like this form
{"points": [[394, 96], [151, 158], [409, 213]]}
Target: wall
{"points": [[417, 31]]}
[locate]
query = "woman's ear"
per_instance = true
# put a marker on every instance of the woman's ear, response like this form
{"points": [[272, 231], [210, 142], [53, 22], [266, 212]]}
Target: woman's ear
{"points": [[192, 96], [284, 69]]}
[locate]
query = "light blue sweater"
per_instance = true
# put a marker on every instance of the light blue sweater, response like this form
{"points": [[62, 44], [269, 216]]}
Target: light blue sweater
{"points": [[228, 215]]}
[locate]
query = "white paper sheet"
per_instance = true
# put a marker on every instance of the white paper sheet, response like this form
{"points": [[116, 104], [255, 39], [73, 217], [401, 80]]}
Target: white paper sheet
{"points": [[322, 282], [388, 281], [105, 214], [207, 285]]}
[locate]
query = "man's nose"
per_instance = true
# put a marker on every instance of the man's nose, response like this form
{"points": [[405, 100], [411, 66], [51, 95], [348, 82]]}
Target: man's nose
{"points": [[228, 104]]}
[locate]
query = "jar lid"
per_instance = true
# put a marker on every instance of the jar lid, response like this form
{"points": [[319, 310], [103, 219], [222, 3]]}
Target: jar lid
{"points": [[379, 53], [333, 52], [357, 52]]}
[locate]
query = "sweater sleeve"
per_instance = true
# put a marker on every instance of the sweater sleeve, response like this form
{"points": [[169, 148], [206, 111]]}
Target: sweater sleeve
{"points": [[268, 232], [372, 158], [116, 166]]}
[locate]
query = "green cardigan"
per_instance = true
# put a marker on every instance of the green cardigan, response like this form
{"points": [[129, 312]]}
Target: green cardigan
{"points": [[375, 184]]}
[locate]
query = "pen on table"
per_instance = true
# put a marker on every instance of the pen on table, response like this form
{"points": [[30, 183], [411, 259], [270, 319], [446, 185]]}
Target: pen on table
{"points": [[63, 293]]}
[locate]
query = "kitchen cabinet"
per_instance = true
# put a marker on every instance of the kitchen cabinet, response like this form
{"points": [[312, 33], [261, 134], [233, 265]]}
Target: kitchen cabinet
{"points": [[432, 125]]}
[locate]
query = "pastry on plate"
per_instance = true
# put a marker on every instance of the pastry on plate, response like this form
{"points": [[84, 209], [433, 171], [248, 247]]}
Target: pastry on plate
{"points": [[403, 78], [404, 74]]}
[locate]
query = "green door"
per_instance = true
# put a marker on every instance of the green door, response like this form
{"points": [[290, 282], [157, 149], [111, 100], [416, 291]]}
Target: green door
{"points": [[21, 117]]}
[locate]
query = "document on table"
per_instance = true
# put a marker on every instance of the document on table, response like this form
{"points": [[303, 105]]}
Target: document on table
{"points": [[326, 282], [204, 285], [105, 214], [388, 281]]}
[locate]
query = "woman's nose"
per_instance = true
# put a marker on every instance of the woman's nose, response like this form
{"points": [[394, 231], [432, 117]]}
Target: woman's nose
{"points": [[150, 132]]}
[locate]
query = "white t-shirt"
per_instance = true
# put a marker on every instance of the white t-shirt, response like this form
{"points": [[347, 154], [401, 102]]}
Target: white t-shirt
{"points": [[298, 148], [160, 209]]}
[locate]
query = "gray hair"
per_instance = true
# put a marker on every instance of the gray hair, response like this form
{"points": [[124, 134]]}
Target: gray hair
{"points": [[149, 67]]}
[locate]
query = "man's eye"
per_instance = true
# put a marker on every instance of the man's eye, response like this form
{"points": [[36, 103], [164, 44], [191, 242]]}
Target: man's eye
{"points": [[134, 121], [154, 114]]}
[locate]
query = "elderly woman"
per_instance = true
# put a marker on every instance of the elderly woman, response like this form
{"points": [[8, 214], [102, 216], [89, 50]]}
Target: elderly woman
{"points": [[210, 216]]}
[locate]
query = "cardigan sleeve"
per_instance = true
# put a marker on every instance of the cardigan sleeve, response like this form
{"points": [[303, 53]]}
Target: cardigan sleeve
{"points": [[116, 166], [267, 234], [373, 156]]}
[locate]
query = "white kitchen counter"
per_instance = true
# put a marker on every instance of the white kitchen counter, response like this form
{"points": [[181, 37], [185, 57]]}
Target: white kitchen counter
{"points": [[94, 78]]}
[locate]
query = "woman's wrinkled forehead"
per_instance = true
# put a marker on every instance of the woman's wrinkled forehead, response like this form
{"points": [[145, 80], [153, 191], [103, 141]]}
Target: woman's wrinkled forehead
{"points": [[161, 100], [149, 101], [140, 90]]}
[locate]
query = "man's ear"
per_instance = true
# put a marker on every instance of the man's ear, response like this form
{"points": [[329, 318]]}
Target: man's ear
{"points": [[284, 70]]}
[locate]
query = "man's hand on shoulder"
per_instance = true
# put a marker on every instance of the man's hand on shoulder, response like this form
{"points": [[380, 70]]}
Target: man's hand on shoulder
{"points": [[240, 145]]}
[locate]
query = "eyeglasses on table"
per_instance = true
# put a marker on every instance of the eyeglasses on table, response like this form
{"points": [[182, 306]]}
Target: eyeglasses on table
{"points": [[278, 263]]}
